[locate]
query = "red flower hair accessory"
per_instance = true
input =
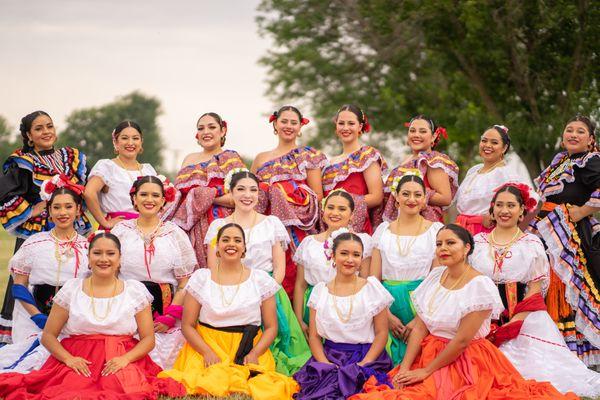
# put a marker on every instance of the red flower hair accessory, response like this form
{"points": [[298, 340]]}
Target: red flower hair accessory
{"points": [[168, 187], [529, 202], [407, 124], [224, 124], [273, 117], [56, 182], [441, 131], [366, 124], [304, 121], [94, 234]]}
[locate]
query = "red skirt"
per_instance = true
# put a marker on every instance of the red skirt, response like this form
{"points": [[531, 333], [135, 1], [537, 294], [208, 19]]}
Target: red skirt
{"points": [[481, 372], [137, 381]]}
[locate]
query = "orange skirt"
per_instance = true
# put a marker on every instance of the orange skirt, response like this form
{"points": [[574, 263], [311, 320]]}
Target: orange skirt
{"points": [[480, 372]]}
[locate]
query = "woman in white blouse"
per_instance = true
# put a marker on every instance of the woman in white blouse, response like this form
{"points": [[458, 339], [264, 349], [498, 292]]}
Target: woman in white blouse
{"points": [[159, 255], [448, 356], [107, 190], [226, 350], [477, 188], [266, 241], [404, 254], [348, 327], [313, 266], [99, 358]]}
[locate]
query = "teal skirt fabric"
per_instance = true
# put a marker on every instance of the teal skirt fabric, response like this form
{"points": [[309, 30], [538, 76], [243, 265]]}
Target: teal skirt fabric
{"points": [[306, 313], [402, 308], [290, 349]]}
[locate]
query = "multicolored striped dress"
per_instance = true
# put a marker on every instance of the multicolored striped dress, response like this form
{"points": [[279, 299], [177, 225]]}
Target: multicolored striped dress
{"points": [[348, 175], [198, 185], [573, 298], [22, 176], [292, 200], [425, 160]]}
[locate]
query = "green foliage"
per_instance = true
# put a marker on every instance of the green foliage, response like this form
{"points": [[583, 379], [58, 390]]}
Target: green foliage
{"points": [[8, 141], [89, 129], [530, 65]]}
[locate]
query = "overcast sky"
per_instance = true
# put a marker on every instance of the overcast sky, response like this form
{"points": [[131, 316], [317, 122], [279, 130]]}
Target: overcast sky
{"points": [[194, 55]]}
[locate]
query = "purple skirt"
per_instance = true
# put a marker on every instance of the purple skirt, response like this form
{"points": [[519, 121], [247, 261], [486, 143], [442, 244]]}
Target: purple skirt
{"points": [[344, 377]]}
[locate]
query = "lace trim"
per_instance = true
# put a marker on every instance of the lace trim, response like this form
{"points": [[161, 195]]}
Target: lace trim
{"points": [[339, 172], [557, 184]]}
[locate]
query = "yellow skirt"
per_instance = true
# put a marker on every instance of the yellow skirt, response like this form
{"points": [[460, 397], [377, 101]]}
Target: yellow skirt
{"points": [[226, 377]]}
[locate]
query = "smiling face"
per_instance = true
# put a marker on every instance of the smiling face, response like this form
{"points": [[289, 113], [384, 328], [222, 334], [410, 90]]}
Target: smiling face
{"points": [[149, 199], [231, 246], [411, 198], [63, 211], [450, 250], [104, 258], [337, 212], [347, 127], [507, 211], [287, 125], [209, 133], [348, 257], [577, 137], [420, 137], [128, 143], [491, 147], [42, 133], [245, 194]]}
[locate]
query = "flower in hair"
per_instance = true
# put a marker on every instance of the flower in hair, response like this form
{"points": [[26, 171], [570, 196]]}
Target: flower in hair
{"points": [[273, 117], [224, 124], [168, 188], [406, 172], [366, 125], [407, 124], [94, 234], [328, 245], [304, 121], [529, 202], [502, 128], [441, 131], [229, 176], [56, 182]]}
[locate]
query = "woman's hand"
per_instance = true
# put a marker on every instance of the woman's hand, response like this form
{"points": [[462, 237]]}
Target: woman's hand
{"points": [[38, 209], [575, 213], [396, 326], [79, 365], [210, 358], [159, 327], [251, 358], [111, 222], [114, 365], [405, 378]]}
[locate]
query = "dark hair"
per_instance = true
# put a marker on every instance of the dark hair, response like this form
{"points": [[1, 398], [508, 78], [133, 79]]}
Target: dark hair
{"points": [[238, 176], [277, 113], [341, 193], [145, 179], [463, 234], [105, 235], [126, 124], [63, 190], [591, 126], [25, 127], [510, 189], [219, 120], [345, 237], [503, 131], [231, 225], [411, 178], [356, 110], [432, 126]]}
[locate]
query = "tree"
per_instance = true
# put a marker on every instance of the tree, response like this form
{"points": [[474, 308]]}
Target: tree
{"points": [[8, 142], [89, 129], [469, 64]]}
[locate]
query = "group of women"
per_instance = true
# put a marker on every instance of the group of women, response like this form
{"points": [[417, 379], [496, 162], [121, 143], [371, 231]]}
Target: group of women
{"points": [[302, 277]]}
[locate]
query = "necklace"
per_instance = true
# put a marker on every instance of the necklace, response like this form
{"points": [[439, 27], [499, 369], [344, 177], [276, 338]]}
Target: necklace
{"points": [[498, 251], [344, 318], [224, 301], [59, 253], [138, 166], [490, 169], [108, 307], [430, 308], [249, 228], [404, 251], [469, 186], [148, 239]]}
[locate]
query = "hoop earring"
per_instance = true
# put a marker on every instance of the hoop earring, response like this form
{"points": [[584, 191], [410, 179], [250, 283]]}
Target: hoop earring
{"points": [[30, 143], [299, 134], [218, 254], [141, 150]]}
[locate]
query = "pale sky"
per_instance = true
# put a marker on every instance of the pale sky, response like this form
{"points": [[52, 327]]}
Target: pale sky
{"points": [[195, 56]]}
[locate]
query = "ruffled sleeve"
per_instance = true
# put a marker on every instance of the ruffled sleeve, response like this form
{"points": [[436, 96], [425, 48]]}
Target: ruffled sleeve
{"points": [[22, 261], [376, 297], [481, 294], [197, 284], [540, 267], [310, 158], [186, 261], [139, 296], [367, 242], [65, 295], [279, 233], [103, 170], [267, 286], [378, 234], [590, 176], [301, 255], [213, 229], [315, 295]]}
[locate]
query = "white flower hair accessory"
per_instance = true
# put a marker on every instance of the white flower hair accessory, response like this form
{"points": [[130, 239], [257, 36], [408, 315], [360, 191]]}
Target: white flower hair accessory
{"points": [[328, 245], [406, 172], [227, 183], [94, 234]]}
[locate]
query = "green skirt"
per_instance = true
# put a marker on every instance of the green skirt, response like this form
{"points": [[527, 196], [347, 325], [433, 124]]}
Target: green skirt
{"points": [[290, 349], [402, 308], [306, 313]]}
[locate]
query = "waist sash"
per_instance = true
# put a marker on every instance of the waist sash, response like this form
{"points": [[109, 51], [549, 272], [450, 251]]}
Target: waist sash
{"points": [[248, 332]]}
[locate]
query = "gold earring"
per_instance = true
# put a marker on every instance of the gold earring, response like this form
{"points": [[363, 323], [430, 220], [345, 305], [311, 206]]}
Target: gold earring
{"points": [[218, 254], [30, 143]]}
